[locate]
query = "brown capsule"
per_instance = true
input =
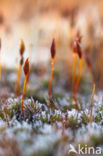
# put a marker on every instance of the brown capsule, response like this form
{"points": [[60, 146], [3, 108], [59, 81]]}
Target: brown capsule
{"points": [[21, 61], [79, 52], [77, 46], [53, 52], [26, 67], [22, 48]]}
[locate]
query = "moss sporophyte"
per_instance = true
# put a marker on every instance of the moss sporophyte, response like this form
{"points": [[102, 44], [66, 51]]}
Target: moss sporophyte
{"points": [[26, 69], [53, 52], [76, 52], [21, 52], [0, 57]]}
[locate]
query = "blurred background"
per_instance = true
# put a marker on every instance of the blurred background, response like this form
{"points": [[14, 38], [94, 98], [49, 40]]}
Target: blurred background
{"points": [[37, 22]]}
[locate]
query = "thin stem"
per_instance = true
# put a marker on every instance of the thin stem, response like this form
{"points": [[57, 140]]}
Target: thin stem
{"points": [[92, 100], [79, 76], [18, 79], [77, 83], [0, 65], [74, 70], [22, 102], [51, 78]]}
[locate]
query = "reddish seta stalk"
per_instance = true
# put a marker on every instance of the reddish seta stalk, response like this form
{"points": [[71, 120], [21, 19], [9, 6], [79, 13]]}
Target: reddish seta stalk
{"points": [[89, 65], [53, 52], [77, 52], [21, 52], [26, 69], [0, 59]]}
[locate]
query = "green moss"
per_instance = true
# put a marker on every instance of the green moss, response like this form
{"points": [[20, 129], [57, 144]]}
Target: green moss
{"points": [[85, 118], [58, 95], [99, 109], [95, 140], [65, 108], [98, 118], [45, 84], [54, 118], [16, 110], [44, 120], [73, 122], [7, 111], [72, 102], [56, 73], [28, 142], [57, 118], [1, 115], [84, 89], [83, 146], [30, 92]]}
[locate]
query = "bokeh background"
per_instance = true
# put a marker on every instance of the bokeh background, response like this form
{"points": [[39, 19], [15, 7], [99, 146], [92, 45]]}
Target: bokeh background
{"points": [[37, 22]]}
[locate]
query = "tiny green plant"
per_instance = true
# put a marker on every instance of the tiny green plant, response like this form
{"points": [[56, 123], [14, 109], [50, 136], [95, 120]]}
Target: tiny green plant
{"points": [[26, 69], [53, 52], [21, 52]]}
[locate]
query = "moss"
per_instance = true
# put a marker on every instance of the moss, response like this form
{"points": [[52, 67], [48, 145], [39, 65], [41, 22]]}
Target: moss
{"points": [[7, 111], [72, 106], [1, 115], [30, 92], [41, 98], [58, 95], [97, 140], [28, 142], [54, 118], [20, 130], [85, 118], [44, 120], [57, 118], [45, 84], [64, 108], [99, 109], [98, 118], [83, 145], [72, 102], [73, 122], [85, 90], [56, 74], [16, 110]]}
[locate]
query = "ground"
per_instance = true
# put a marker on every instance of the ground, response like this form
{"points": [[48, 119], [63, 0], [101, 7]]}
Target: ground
{"points": [[48, 127]]}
